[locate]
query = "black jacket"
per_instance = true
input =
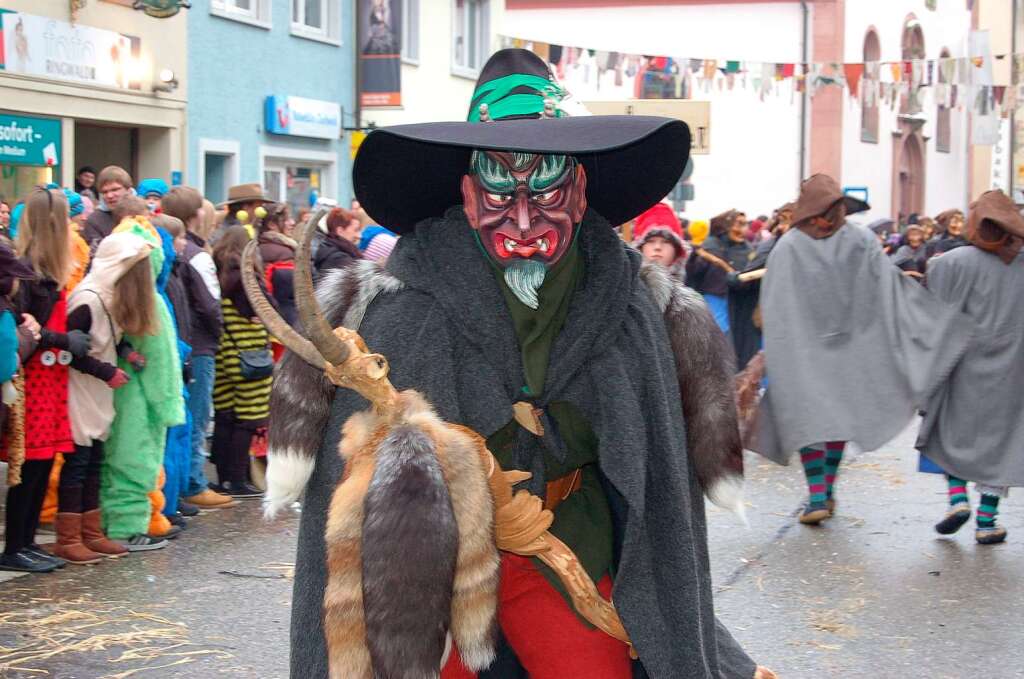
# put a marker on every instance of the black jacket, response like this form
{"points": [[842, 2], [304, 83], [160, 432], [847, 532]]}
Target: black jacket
{"points": [[203, 297], [277, 249], [335, 253], [711, 279], [38, 298], [97, 227]]}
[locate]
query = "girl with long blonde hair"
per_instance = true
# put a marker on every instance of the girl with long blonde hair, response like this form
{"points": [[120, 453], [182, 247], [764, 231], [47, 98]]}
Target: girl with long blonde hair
{"points": [[44, 245]]}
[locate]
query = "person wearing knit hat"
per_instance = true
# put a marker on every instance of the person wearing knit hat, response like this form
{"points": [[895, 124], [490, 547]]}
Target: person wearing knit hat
{"points": [[831, 301], [153, 190], [658, 236], [974, 424], [376, 242]]}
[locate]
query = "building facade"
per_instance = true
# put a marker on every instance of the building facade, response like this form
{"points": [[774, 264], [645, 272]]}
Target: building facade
{"points": [[766, 131], [107, 84], [272, 91], [444, 44]]}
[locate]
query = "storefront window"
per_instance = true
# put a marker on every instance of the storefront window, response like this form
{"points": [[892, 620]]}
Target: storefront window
{"points": [[293, 184]]}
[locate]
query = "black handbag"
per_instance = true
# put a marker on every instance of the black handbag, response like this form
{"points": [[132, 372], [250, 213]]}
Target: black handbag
{"points": [[254, 364]]}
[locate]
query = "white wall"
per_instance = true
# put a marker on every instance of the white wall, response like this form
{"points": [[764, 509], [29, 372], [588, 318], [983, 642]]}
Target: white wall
{"points": [[867, 164], [754, 159], [430, 92]]}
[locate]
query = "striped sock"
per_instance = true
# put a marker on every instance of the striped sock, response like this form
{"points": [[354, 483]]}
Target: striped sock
{"points": [[988, 510], [957, 491], [833, 456], [813, 459]]}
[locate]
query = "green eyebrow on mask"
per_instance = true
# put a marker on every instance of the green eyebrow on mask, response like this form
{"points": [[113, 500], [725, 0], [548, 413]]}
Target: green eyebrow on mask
{"points": [[497, 178]]}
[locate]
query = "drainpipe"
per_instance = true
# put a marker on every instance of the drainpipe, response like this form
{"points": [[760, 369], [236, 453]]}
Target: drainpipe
{"points": [[1014, 17], [805, 49]]}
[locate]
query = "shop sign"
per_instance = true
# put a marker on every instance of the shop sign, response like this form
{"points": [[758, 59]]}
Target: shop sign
{"points": [[44, 47], [301, 117], [29, 141], [696, 114]]}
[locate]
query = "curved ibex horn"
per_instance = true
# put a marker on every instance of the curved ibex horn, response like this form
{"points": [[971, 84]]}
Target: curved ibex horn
{"points": [[319, 331], [277, 326]]}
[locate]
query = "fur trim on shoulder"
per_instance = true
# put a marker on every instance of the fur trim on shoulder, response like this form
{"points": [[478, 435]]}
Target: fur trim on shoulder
{"points": [[351, 290], [300, 401], [705, 367]]}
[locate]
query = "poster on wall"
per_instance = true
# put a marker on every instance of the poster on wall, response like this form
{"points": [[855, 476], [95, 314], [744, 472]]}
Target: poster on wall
{"points": [[48, 48], [380, 53]]}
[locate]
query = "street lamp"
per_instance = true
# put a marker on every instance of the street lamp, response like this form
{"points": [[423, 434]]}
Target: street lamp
{"points": [[167, 81]]}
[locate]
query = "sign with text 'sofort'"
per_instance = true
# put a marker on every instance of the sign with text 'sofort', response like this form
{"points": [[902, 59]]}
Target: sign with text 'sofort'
{"points": [[29, 141]]}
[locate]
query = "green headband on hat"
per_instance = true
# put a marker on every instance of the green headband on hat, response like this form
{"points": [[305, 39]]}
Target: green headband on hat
{"points": [[502, 102]]}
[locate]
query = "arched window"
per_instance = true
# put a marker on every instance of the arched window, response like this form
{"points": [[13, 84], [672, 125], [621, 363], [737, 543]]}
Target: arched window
{"points": [[943, 125], [912, 52], [869, 99]]}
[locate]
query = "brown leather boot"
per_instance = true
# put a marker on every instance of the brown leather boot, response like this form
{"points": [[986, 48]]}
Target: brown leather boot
{"points": [[69, 541], [94, 538]]}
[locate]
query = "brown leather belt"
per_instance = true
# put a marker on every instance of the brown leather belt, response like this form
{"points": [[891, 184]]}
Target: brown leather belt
{"points": [[562, 487]]}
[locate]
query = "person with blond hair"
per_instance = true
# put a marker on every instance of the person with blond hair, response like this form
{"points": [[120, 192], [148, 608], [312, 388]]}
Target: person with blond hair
{"points": [[43, 244]]}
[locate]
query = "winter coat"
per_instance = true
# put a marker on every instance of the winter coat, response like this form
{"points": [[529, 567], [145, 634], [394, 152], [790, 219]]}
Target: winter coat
{"points": [[335, 253], [974, 425], [852, 346], [90, 400], [198, 274], [98, 226], [278, 254], [710, 279], [617, 359]]}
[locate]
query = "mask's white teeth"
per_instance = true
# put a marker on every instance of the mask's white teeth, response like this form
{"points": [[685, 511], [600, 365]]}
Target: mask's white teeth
{"points": [[510, 244], [543, 244]]}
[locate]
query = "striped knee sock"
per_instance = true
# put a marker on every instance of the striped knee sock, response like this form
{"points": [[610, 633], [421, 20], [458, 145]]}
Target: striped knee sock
{"points": [[813, 459], [988, 510], [833, 456], [957, 491]]}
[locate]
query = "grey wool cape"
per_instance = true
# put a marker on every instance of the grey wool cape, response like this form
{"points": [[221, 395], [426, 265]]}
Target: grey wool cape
{"points": [[439, 317], [974, 425], [852, 346]]}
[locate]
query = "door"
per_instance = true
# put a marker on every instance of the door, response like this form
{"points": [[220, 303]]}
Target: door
{"points": [[274, 182]]}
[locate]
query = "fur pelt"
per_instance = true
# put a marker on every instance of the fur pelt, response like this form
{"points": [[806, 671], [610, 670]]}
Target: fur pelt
{"points": [[410, 548], [705, 369], [302, 396]]}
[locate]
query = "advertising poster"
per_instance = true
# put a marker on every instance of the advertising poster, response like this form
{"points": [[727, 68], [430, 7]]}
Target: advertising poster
{"points": [[48, 48], [380, 53]]}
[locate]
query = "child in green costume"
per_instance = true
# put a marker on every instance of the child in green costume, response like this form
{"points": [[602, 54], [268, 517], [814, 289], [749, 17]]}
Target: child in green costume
{"points": [[146, 407]]}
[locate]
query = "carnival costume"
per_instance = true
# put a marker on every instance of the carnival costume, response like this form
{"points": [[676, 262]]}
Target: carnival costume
{"points": [[147, 406], [512, 308]]}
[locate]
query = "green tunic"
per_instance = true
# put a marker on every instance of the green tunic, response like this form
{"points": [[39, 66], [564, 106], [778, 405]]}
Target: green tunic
{"points": [[583, 521]]}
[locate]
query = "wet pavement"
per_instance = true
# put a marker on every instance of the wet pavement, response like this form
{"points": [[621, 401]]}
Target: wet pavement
{"points": [[873, 593]]}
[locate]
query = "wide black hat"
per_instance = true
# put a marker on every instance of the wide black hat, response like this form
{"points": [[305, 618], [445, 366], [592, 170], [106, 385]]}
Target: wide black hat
{"points": [[407, 173]]}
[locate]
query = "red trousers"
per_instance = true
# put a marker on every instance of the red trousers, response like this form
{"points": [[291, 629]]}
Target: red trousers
{"points": [[547, 637]]}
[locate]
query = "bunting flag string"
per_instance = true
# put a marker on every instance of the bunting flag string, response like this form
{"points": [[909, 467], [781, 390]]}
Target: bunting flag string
{"points": [[953, 82]]}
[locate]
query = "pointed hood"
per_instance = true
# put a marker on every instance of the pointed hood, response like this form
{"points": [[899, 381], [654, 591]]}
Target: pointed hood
{"points": [[116, 254]]}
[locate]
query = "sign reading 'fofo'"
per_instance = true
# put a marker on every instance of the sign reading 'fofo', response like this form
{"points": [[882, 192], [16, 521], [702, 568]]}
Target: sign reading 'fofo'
{"points": [[301, 117], [29, 141]]}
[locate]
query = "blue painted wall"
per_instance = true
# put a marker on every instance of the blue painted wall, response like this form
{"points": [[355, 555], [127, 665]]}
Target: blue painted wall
{"points": [[233, 67]]}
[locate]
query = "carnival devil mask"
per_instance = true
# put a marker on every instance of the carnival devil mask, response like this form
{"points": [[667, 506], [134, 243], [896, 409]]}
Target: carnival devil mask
{"points": [[525, 209]]}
